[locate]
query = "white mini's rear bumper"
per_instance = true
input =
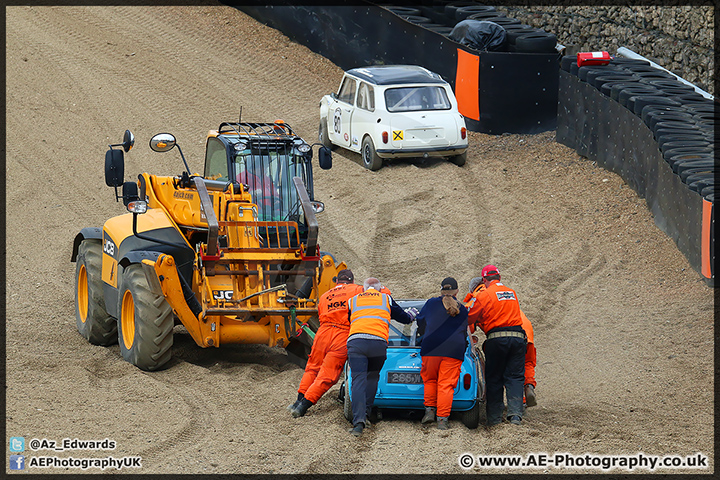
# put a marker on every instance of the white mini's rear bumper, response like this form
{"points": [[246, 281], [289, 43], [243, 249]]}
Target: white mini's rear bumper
{"points": [[444, 151]]}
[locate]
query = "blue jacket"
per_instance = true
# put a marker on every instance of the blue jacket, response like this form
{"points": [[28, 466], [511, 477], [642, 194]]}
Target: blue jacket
{"points": [[443, 335]]}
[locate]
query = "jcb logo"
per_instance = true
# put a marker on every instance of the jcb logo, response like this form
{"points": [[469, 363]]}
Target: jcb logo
{"points": [[109, 247], [222, 294]]}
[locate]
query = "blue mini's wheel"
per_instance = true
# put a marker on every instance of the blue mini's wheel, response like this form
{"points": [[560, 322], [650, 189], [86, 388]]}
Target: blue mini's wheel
{"points": [[347, 405]]}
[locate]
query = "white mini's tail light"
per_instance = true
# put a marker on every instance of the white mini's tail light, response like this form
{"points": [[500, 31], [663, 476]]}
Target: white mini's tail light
{"points": [[385, 137], [463, 133]]}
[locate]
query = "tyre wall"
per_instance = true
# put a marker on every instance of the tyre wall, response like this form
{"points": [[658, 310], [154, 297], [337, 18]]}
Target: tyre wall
{"points": [[678, 37], [497, 92], [662, 148]]}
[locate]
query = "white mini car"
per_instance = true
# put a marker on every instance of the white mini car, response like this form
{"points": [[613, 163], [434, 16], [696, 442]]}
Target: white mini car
{"points": [[394, 111]]}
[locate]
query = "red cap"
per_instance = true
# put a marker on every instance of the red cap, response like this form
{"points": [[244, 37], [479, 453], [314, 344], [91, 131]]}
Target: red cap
{"points": [[489, 270]]}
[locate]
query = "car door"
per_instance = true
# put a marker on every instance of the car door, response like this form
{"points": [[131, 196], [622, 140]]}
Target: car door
{"points": [[363, 117], [340, 112]]}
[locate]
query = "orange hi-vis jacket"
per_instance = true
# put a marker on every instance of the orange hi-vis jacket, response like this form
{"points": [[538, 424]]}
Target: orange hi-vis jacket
{"points": [[527, 326], [469, 296], [334, 304], [370, 314], [493, 307]]}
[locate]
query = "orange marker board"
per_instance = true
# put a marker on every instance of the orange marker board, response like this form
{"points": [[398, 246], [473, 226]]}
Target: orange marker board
{"points": [[467, 84]]}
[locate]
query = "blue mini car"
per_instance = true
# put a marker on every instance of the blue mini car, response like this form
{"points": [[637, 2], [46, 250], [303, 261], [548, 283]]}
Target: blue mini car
{"points": [[400, 385]]}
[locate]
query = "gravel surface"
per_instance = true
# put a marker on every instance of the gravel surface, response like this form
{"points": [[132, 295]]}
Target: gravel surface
{"points": [[623, 325]]}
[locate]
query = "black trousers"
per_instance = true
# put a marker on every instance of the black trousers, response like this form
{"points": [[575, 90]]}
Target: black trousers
{"points": [[504, 368], [366, 359]]}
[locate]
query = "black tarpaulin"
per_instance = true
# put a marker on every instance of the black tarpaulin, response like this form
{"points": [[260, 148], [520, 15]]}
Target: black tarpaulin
{"points": [[479, 34]]}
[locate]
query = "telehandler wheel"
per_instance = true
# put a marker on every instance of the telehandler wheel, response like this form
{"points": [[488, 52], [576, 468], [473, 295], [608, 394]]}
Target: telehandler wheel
{"points": [[91, 317], [145, 322]]}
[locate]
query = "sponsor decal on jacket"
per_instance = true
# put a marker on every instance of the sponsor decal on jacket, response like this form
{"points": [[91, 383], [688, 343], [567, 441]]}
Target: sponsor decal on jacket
{"points": [[505, 295]]}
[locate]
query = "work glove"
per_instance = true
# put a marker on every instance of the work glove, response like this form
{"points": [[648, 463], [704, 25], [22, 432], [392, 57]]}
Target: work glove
{"points": [[412, 311]]}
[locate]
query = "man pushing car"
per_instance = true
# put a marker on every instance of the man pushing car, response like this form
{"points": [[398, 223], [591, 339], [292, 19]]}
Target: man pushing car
{"points": [[443, 323], [497, 311], [329, 349], [370, 314]]}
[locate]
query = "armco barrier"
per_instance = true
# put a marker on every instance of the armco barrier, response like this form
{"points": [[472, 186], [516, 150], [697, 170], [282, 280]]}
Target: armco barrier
{"points": [[602, 129], [497, 92]]}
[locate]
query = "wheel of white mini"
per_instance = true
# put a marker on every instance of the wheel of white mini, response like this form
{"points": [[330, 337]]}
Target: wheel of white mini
{"points": [[91, 317], [369, 155], [145, 322], [459, 160], [323, 136]]}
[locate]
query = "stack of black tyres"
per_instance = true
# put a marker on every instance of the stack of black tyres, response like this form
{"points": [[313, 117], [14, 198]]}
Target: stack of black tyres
{"points": [[520, 37], [418, 17], [682, 120], [410, 14], [442, 16]]}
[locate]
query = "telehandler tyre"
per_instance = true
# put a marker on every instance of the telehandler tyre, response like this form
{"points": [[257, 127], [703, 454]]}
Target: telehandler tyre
{"points": [[145, 322], [91, 317]]}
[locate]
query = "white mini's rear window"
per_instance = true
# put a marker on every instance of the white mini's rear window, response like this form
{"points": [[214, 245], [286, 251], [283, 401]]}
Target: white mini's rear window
{"points": [[411, 99]]}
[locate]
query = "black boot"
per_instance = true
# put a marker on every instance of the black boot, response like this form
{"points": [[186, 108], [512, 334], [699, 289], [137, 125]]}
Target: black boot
{"points": [[530, 398], [293, 406], [302, 408], [357, 429], [429, 415]]}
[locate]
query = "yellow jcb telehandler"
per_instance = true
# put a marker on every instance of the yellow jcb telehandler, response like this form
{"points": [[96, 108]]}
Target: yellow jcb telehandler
{"points": [[232, 254]]}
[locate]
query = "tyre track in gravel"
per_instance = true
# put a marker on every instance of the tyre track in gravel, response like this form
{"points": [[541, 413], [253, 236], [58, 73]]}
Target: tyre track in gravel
{"points": [[242, 75], [398, 248], [196, 427]]}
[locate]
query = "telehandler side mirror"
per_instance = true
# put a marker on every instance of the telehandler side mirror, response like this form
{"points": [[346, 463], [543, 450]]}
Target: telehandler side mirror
{"points": [[130, 193], [162, 142], [128, 140], [325, 158], [115, 161], [114, 168]]}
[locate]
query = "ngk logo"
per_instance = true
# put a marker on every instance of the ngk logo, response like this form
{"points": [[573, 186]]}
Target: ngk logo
{"points": [[338, 304]]}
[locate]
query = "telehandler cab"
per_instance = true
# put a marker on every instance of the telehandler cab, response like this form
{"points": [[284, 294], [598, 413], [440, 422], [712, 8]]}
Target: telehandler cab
{"points": [[231, 254]]}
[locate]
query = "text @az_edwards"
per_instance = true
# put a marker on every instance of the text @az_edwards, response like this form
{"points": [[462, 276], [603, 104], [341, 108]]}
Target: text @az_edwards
{"points": [[68, 444]]}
